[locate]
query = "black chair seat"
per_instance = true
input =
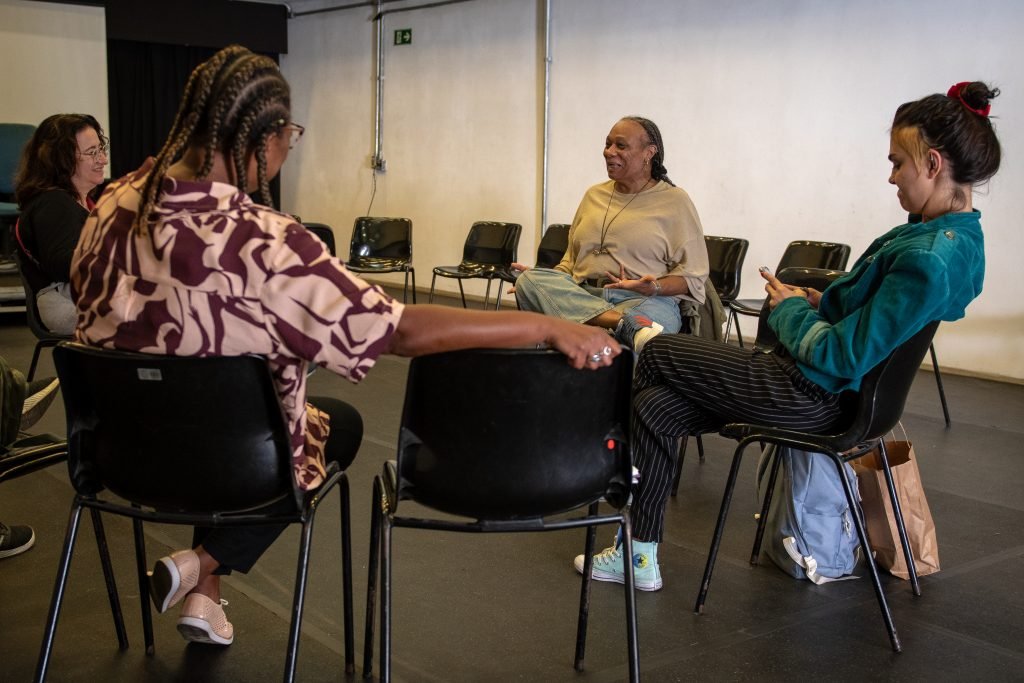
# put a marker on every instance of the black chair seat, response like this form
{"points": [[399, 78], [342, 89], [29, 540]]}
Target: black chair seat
{"points": [[371, 263]]}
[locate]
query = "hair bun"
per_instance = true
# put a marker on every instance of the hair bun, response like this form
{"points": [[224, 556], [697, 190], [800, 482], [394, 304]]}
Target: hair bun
{"points": [[974, 95]]}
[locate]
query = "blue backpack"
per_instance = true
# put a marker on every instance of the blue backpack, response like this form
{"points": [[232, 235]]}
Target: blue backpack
{"points": [[809, 532]]}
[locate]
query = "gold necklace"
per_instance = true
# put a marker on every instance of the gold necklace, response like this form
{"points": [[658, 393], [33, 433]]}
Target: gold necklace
{"points": [[606, 224]]}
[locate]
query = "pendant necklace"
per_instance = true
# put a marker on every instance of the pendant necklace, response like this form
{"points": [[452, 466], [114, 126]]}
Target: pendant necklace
{"points": [[606, 224]]}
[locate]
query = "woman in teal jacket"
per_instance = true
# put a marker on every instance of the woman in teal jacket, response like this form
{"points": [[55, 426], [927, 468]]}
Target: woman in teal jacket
{"points": [[931, 268]]}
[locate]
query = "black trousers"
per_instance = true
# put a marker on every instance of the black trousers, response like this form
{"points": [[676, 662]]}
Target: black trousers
{"points": [[238, 548], [687, 385]]}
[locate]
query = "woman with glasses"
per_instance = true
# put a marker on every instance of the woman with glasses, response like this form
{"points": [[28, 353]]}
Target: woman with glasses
{"points": [[61, 166], [178, 260]]}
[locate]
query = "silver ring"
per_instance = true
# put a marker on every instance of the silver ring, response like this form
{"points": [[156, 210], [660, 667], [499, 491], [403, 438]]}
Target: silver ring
{"points": [[607, 351], [596, 358]]}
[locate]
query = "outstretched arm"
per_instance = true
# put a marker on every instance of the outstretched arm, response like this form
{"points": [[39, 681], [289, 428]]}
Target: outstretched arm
{"points": [[427, 329]]}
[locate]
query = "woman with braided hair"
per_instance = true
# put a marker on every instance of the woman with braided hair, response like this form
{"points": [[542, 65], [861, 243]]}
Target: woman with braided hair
{"points": [[927, 269], [177, 259], [636, 247]]}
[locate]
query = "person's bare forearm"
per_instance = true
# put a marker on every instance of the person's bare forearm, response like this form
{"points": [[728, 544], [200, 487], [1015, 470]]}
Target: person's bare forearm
{"points": [[427, 329], [433, 329]]}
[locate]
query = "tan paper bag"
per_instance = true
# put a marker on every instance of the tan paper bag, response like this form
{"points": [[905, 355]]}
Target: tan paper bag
{"points": [[878, 514]]}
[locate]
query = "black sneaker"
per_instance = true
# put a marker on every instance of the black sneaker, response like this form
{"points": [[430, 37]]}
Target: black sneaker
{"points": [[38, 396], [15, 540]]}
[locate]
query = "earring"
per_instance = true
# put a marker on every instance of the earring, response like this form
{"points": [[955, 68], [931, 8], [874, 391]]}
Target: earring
{"points": [[646, 162]]}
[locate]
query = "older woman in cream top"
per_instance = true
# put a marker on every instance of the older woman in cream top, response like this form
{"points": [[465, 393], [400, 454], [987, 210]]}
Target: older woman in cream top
{"points": [[636, 248]]}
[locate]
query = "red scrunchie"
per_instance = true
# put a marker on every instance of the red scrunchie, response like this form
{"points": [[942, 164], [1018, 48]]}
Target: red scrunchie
{"points": [[956, 92]]}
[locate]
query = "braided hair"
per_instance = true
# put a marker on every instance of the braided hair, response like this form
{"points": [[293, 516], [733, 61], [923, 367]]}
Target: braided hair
{"points": [[658, 170], [958, 126], [232, 103]]}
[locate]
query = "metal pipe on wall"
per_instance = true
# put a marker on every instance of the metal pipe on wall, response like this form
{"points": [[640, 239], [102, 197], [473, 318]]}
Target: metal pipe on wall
{"points": [[547, 119], [378, 129]]}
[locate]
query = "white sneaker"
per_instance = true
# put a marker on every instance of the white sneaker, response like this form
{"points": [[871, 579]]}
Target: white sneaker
{"points": [[646, 334]]}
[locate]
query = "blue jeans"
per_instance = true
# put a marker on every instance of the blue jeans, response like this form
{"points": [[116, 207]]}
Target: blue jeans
{"points": [[555, 293]]}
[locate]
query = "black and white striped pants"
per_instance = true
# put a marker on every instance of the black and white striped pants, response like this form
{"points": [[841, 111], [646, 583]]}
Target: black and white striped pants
{"points": [[687, 385]]}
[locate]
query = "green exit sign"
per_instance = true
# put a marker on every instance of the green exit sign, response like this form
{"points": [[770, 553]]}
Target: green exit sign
{"points": [[403, 36]]}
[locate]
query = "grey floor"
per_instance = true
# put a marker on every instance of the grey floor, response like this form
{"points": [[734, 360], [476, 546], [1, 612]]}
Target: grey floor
{"points": [[497, 608]]}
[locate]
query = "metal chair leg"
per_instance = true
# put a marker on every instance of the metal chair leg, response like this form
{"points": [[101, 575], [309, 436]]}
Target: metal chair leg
{"points": [[865, 547], [143, 578], [487, 293], [372, 576], [433, 281], [46, 650], [585, 587], [716, 540], [627, 565], [346, 573], [298, 599], [385, 599], [762, 520], [108, 579], [679, 465], [897, 512], [938, 381], [462, 293]]}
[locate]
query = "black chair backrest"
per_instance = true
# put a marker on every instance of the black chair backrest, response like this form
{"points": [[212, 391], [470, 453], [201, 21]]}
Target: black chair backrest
{"points": [[35, 324], [883, 391], [514, 434], [818, 278], [553, 245], [374, 237], [725, 257], [176, 433], [811, 254], [325, 233], [491, 243]]}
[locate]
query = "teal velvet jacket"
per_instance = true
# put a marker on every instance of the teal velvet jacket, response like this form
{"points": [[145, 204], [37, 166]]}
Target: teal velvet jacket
{"points": [[908, 277]]}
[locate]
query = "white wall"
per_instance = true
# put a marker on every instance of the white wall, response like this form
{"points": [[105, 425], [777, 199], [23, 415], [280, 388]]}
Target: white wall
{"points": [[775, 118], [55, 60]]}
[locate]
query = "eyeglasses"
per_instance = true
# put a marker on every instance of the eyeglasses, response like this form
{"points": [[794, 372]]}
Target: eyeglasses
{"points": [[94, 152], [296, 134]]}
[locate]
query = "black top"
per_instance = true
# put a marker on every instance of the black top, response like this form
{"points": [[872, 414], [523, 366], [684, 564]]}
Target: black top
{"points": [[49, 228]]}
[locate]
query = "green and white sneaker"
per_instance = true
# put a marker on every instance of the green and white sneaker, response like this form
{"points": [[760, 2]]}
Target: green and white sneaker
{"points": [[608, 566]]}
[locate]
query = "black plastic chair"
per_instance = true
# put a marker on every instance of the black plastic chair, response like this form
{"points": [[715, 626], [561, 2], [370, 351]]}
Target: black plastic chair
{"points": [[725, 257], [196, 441], [801, 253], [488, 254], [44, 338], [326, 235], [553, 245], [506, 439], [874, 411], [383, 245]]}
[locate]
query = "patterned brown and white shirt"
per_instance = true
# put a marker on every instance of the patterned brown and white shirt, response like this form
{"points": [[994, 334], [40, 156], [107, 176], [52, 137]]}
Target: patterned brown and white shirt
{"points": [[219, 275]]}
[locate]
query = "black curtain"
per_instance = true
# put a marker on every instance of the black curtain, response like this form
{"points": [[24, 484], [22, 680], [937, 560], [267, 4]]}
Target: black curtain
{"points": [[145, 82]]}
